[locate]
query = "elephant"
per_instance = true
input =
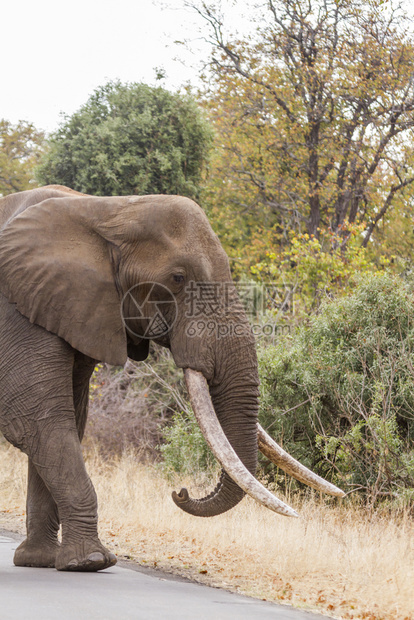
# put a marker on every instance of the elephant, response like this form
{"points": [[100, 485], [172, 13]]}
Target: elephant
{"points": [[87, 279]]}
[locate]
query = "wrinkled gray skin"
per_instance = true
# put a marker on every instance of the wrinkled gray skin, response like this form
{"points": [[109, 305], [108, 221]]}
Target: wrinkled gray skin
{"points": [[66, 261]]}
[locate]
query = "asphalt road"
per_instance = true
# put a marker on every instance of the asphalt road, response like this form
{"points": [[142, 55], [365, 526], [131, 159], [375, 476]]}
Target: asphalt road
{"points": [[120, 593]]}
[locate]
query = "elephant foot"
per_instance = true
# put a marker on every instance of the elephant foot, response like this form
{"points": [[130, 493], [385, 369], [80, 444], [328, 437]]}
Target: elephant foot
{"points": [[36, 554], [88, 556]]}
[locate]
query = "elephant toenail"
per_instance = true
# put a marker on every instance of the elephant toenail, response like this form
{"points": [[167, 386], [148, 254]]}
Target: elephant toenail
{"points": [[96, 557]]}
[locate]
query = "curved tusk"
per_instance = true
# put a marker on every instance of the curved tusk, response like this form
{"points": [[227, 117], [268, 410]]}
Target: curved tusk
{"points": [[221, 448], [285, 461]]}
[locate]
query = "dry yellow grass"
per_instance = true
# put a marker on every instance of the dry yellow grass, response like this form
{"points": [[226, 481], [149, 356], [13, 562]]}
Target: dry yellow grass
{"points": [[343, 562]]}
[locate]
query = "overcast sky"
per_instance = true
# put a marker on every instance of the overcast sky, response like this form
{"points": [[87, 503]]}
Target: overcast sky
{"points": [[54, 54]]}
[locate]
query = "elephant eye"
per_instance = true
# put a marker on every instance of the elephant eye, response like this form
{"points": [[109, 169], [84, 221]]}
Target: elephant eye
{"points": [[178, 277]]}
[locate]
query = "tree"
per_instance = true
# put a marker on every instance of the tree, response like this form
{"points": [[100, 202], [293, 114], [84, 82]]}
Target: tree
{"points": [[314, 113], [130, 139], [20, 150]]}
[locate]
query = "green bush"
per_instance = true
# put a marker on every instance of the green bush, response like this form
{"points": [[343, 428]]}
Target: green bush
{"points": [[339, 394], [185, 450]]}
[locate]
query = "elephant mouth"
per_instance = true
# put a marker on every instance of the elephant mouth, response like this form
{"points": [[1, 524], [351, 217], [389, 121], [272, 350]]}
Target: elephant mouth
{"points": [[220, 446]]}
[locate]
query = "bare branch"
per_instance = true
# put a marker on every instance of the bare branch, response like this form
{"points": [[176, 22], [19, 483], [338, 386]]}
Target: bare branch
{"points": [[384, 209]]}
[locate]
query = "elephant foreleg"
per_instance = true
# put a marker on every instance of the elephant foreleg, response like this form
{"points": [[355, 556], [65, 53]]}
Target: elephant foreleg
{"points": [[60, 490], [64, 474], [42, 524]]}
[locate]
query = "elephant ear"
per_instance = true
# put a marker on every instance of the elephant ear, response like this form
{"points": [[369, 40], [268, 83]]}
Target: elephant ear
{"points": [[60, 271]]}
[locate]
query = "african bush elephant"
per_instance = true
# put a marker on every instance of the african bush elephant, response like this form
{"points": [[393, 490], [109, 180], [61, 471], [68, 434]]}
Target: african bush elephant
{"points": [[87, 278]]}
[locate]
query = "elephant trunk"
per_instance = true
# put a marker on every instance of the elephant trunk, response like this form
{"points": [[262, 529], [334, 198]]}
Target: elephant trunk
{"points": [[227, 412], [232, 437], [222, 415]]}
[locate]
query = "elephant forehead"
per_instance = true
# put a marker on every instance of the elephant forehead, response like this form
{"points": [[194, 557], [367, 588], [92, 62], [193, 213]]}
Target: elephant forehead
{"points": [[162, 230], [158, 218], [174, 233]]}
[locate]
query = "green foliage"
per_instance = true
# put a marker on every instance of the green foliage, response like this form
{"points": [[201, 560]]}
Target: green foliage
{"points": [[130, 139], [373, 449], [20, 149], [314, 269], [185, 450], [339, 395]]}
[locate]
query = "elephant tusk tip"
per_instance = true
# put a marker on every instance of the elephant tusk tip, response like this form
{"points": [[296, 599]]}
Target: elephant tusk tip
{"points": [[181, 497]]}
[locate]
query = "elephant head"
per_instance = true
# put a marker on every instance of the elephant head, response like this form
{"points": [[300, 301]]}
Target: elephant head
{"points": [[109, 274]]}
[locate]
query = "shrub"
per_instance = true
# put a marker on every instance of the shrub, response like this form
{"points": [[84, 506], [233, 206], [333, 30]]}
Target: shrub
{"points": [[339, 394], [185, 450]]}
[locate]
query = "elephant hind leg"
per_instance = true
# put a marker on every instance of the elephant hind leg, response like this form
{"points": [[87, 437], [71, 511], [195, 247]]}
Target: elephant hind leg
{"points": [[83, 367], [37, 415], [42, 518], [42, 524]]}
